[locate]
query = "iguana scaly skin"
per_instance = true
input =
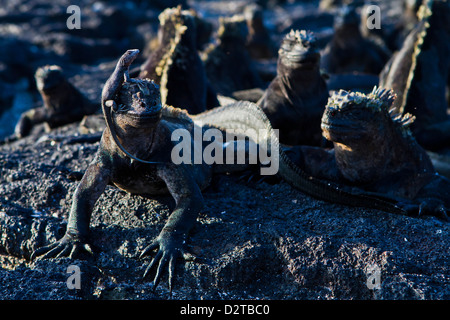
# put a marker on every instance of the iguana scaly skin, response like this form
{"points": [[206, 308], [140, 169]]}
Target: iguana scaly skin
{"points": [[374, 150], [135, 156]]}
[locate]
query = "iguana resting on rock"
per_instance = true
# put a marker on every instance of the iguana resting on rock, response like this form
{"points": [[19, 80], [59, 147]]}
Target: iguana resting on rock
{"points": [[135, 154], [375, 151], [348, 51], [295, 100], [63, 103], [418, 74]]}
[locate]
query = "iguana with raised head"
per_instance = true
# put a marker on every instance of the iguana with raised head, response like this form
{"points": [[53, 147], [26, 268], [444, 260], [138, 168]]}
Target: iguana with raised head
{"points": [[135, 155], [374, 150], [295, 99]]}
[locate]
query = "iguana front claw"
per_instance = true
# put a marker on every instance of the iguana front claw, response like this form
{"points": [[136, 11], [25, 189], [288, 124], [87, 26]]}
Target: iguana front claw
{"points": [[170, 248], [69, 246]]}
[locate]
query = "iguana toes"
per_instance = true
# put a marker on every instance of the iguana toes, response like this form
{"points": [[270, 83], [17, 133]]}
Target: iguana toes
{"points": [[295, 99], [375, 151], [135, 154]]}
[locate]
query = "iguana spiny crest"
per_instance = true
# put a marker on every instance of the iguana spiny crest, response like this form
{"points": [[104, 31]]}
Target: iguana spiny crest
{"points": [[299, 46], [379, 100]]}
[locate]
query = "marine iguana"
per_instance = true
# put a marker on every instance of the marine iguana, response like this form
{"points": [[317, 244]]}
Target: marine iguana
{"points": [[228, 64], [135, 155], [348, 51], [296, 98], [63, 103], [418, 74], [374, 150], [259, 44], [176, 65]]}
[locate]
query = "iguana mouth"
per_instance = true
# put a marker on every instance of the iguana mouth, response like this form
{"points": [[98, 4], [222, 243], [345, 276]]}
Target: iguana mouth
{"points": [[342, 133], [310, 59], [338, 128], [142, 119], [144, 113], [339, 125], [302, 58]]}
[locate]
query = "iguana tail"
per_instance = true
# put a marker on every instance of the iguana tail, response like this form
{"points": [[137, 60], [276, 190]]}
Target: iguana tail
{"points": [[244, 115]]}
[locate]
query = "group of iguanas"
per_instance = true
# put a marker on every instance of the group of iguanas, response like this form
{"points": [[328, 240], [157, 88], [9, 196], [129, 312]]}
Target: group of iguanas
{"points": [[375, 161]]}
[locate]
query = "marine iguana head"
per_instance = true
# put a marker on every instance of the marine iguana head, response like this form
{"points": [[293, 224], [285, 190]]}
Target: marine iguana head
{"points": [[299, 50], [138, 104], [367, 139], [353, 118]]}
